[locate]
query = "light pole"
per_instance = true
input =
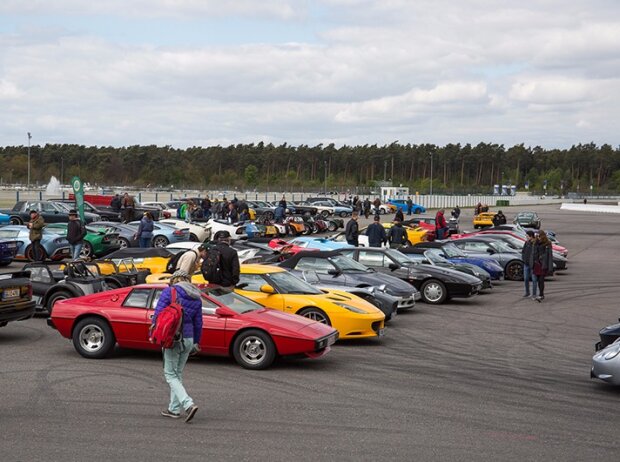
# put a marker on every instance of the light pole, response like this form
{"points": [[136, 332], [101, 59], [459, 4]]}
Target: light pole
{"points": [[62, 170], [431, 192], [29, 136], [384, 170], [325, 164]]}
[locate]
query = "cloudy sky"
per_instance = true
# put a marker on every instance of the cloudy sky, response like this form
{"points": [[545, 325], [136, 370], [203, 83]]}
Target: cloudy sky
{"points": [[205, 72]]}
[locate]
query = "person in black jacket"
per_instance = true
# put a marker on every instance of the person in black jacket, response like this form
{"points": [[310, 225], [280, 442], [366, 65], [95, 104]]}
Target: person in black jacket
{"points": [[351, 231], [397, 235], [543, 262], [75, 234], [399, 215], [499, 219], [376, 233], [229, 260], [527, 255]]}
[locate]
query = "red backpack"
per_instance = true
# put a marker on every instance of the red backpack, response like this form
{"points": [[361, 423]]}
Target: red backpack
{"points": [[168, 326]]}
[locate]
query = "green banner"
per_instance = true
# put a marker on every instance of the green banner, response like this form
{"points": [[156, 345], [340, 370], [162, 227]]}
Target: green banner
{"points": [[78, 191]]}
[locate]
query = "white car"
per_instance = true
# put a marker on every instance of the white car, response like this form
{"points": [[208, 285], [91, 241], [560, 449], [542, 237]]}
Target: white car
{"points": [[245, 255], [236, 230], [164, 207], [198, 232]]}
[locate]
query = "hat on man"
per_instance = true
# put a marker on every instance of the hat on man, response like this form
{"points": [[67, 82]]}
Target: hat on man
{"points": [[73, 212], [33, 211]]}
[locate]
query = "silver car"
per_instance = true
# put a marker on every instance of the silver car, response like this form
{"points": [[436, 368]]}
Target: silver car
{"points": [[606, 364]]}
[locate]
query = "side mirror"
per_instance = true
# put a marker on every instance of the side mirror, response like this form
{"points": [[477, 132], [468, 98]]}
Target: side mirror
{"points": [[224, 312], [311, 276], [267, 289], [393, 266], [490, 251], [334, 272]]}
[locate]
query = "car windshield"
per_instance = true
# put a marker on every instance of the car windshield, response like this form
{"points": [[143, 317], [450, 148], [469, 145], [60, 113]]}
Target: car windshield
{"points": [[525, 216], [289, 284], [513, 242], [398, 257], [434, 255], [61, 205], [346, 264], [8, 233], [234, 301], [501, 246], [452, 251]]}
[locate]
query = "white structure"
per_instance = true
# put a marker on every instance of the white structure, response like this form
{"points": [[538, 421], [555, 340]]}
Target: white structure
{"points": [[394, 192]]}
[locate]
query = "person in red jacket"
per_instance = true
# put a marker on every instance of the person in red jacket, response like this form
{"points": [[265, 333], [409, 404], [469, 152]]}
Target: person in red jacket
{"points": [[441, 226]]}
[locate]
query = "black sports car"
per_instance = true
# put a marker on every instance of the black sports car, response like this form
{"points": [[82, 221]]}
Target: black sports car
{"points": [[52, 212], [15, 297], [436, 284], [334, 268], [527, 219], [608, 336]]}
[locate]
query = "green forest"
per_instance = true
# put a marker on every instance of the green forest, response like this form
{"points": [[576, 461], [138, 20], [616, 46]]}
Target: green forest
{"points": [[456, 168]]}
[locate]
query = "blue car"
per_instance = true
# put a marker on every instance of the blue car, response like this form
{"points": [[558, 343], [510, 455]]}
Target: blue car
{"points": [[319, 243], [4, 219], [55, 247], [8, 248], [402, 205], [164, 234], [455, 255]]}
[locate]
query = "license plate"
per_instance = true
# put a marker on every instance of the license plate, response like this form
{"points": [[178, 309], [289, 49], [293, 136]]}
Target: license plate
{"points": [[331, 340], [65, 252], [10, 293], [381, 332], [11, 246]]}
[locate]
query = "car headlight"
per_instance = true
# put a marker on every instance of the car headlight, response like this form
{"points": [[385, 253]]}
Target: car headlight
{"points": [[477, 274], [354, 309], [613, 351]]}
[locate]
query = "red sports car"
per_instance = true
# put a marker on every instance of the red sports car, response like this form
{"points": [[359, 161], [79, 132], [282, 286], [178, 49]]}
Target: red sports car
{"points": [[232, 325], [280, 245]]}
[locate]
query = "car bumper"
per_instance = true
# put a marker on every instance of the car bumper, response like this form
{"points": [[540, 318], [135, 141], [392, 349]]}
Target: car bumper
{"points": [[605, 370], [17, 312], [463, 290], [60, 253], [407, 303], [559, 265], [361, 328]]}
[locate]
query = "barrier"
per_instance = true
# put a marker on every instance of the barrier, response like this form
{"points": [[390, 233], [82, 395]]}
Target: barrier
{"points": [[600, 208]]}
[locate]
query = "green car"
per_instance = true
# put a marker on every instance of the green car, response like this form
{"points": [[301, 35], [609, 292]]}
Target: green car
{"points": [[99, 241]]}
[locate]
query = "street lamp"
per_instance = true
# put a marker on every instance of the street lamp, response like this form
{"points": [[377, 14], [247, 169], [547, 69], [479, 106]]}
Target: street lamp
{"points": [[29, 137], [431, 191], [325, 164]]}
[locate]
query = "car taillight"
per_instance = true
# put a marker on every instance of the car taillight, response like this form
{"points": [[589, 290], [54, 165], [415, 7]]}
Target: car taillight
{"points": [[179, 232]]}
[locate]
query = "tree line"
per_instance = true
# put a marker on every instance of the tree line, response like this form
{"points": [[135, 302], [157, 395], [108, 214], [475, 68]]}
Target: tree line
{"points": [[455, 168]]}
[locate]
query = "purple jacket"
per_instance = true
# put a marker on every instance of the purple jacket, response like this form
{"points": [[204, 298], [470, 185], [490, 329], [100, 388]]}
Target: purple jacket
{"points": [[190, 299]]}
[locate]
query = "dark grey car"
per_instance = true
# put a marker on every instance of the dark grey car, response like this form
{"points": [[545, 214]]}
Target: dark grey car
{"points": [[505, 255]]}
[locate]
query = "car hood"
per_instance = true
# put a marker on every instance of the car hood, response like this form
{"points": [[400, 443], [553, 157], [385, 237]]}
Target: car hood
{"points": [[290, 322], [393, 282], [446, 273]]}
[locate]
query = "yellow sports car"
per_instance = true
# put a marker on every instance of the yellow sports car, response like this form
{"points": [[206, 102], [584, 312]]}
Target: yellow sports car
{"points": [[415, 234], [276, 288], [483, 219]]}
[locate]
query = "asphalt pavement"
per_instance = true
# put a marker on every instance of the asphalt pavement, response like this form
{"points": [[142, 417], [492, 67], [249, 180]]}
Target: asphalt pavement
{"points": [[494, 377]]}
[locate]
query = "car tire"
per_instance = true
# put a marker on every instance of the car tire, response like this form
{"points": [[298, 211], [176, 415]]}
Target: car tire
{"points": [[434, 292], [514, 271], [123, 243], [254, 349], [28, 253], [315, 314], [160, 241], [16, 221], [331, 227], [417, 211], [381, 212], [193, 237], [307, 230], [93, 338], [269, 215], [344, 214], [87, 250], [325, 214], [60, 295]]}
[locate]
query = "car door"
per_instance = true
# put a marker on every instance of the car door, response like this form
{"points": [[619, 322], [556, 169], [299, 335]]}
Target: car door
{"points": [[213, 340], [132, 320], [253, 283]]}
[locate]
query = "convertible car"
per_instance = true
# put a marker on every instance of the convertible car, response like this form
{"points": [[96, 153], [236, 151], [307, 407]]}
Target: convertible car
{"points": [[232, 326], [153, 259]]}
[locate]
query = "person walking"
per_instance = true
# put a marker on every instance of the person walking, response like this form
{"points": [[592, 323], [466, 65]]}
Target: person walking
{"points": [[397, 235], [409, 205], [527, 255], [351, 231], [145, 230], [175, 358], [366, 208], [441, 226], [36, 225], [75, 234], [543, 262], [376, 233]]}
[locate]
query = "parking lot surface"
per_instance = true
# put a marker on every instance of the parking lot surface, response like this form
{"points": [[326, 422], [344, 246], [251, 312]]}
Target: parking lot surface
{"points": [[494, 377]]}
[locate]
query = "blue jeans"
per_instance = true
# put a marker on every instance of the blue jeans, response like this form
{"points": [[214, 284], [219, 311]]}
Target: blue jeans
{"points": [[529, 276], [440, 233], [75, 250], [145, 242], [175, 359]]}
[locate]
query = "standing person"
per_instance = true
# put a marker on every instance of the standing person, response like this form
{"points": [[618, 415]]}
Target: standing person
{"points": [[206, 207], [283, 202], [399, 215], [397, 235], [351, 231], [190, 261], [145, 230], [543, 263], [478, 209], [279, 213], [36, 225], [456, 213], [366, 207], [129, 204], [232, 216], [116, 204], [75, 234], [377, 204], [409, 205], [527, 255], [499, 219], [175, 358], [441, 226], [221, 266], [376, 233]]}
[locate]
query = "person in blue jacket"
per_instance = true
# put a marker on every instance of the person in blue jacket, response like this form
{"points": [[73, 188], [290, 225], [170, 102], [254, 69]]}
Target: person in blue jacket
{"points": [[145, 230], [175, 358], [376, 233]]}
